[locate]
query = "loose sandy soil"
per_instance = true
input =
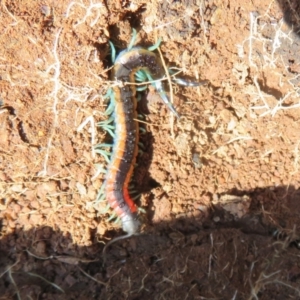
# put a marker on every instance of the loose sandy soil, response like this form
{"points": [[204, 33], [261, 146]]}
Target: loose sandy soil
{"points": [[220, 186]]}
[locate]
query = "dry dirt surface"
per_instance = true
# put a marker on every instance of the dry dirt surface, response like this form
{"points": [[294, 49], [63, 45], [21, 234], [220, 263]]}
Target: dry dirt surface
{"points": [[219, 187]]}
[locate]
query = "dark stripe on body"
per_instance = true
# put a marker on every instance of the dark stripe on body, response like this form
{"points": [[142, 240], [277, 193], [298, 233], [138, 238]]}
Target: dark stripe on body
{"points": [[130, 141]]}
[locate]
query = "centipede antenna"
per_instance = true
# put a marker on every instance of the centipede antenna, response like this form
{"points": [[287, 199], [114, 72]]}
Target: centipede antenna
{"points": [[122, 237], [184, 82], [134, 34], [113, 51], [155, 46]]}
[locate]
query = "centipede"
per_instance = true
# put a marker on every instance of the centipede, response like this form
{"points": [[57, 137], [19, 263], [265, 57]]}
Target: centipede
{"points": [[131, 65]]}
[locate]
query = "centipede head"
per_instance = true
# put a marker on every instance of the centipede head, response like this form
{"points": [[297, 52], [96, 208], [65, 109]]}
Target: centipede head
{"points": [[131, 224]]}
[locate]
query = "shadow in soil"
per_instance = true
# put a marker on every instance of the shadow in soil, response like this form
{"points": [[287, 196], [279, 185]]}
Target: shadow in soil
{"points": [[212, 256], [291, 13]]}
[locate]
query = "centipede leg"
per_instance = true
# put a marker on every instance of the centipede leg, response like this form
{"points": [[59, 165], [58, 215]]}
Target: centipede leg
{"points": [[106, 122], [113, 51], [155, 46], [103, 145], [140, 75], [141, 116], [101, 196], [112, 217], [105, 154], [132, 42], [112, 104], [158, 86], [166, 100], [136, 196], [141, 88], [105, 210]]}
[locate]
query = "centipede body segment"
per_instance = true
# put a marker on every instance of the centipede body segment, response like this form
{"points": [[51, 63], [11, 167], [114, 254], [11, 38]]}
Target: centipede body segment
{"points": [[125, 148], [131, 63]]}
